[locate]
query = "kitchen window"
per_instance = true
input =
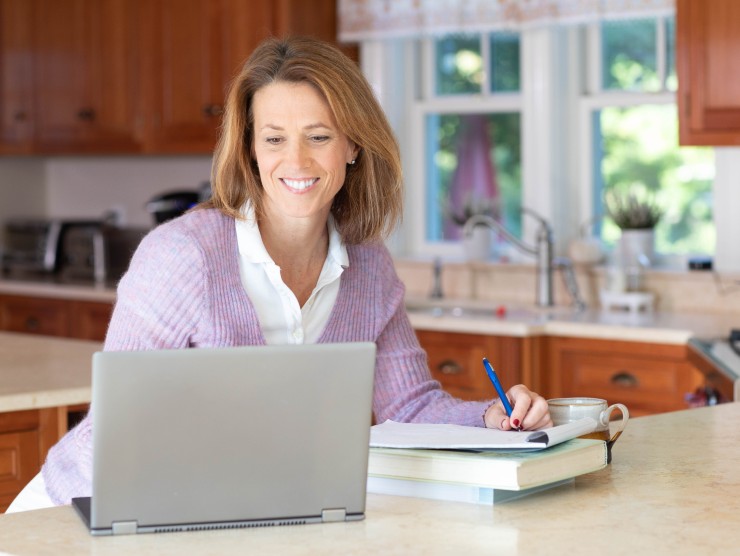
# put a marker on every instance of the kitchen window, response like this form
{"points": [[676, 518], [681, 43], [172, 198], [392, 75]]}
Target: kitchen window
{"points": [[467, 117], [563, 112]]}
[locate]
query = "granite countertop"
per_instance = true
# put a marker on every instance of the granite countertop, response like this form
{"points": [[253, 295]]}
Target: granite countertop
{"points": [[41, 371], [507, 319], [60, 290], [670, 489]]}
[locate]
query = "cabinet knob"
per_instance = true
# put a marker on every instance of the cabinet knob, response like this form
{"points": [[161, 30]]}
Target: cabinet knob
{"points": [[32, 323], [213, 110], [86, 114], [20, 116], [449, 367], [624, 379]]}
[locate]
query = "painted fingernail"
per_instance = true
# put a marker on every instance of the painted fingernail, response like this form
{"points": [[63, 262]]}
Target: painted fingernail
{"points": [[516, 422]]}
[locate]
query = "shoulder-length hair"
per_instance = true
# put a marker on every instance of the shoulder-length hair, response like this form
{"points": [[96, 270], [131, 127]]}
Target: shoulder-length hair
{"points": [[369, 205]]}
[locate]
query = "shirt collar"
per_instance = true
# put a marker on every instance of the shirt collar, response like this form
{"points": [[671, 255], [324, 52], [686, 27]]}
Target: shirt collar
{"points": [[252, 249]]}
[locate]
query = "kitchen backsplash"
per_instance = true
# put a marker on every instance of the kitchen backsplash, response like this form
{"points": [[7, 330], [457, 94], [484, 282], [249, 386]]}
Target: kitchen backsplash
{"points": [[675, 291]]}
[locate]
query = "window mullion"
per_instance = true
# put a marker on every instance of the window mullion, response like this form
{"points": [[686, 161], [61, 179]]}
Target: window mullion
{"points": [[660, 52], [485, 50]]}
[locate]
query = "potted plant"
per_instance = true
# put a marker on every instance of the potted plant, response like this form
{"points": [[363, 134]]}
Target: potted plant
{"points": [[636, 214]]}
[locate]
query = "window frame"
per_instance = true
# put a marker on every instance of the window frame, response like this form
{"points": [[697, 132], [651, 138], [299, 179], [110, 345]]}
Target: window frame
{"points": [[424, 102], [556, 99]]}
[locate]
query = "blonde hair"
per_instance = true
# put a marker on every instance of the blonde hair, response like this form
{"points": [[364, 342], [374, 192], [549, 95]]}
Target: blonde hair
{"points": [[369, 205]]}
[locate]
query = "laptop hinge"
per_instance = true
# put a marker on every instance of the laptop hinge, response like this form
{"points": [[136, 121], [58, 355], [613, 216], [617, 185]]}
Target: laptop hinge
{"points": [[334, 514], [124, 527]]}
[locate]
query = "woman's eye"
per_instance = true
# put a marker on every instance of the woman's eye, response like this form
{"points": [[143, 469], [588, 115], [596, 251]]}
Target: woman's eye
{"points": [[319, 138], [273, 140]]}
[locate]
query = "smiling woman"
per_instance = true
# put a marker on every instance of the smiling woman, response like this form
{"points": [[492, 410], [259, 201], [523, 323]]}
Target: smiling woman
{"points": [[306, 182]]}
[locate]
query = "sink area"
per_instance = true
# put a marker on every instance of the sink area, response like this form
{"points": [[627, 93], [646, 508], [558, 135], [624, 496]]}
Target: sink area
{"points": [[469, 309]]}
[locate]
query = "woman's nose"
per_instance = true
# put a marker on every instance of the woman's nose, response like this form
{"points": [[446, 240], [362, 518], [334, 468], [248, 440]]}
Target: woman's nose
{"points": [[298, 156]]}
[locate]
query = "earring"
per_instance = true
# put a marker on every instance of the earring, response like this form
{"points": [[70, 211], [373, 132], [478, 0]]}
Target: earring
{"points": [[353, 161]]}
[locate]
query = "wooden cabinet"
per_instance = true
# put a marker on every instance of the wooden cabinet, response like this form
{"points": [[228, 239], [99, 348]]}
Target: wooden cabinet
{"points": [[132, 76], [456, 361], [647, 378], [85, 66], [193, 49], [86, 320], [16, 77], [708, 66], [25, 439]]}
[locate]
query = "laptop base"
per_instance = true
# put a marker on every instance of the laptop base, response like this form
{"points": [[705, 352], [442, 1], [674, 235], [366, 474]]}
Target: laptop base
{"points": [[83, 505]]}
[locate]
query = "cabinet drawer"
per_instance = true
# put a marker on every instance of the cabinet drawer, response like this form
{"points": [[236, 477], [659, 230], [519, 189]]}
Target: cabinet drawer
{"points": [[644, 383], [456, 361], [34, 315], [622, 376]]}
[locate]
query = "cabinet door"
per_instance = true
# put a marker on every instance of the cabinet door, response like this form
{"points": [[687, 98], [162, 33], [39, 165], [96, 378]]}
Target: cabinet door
{"points": [[16, 78], [193, 48], [85, 64], [89, 320], [708, 66], [456, 361]]}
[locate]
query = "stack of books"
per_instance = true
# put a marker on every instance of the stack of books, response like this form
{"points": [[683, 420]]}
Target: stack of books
{"points": [[469, 464]]}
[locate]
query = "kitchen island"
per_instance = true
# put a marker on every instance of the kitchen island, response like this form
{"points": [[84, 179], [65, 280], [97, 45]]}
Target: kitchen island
{"points": [[673, 488], [42, 380]]}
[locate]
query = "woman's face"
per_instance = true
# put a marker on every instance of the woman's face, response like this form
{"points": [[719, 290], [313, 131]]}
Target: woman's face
{"points": [[301, 153]]}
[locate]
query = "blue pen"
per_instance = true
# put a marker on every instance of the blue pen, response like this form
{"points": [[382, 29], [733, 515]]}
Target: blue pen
{"points": [[498, 387]]}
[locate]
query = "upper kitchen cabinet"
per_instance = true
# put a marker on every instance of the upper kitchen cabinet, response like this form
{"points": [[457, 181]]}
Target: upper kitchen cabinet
{"points": [[708, 66], [132, 76], [16, 78], [84, 67], [191, 50]]}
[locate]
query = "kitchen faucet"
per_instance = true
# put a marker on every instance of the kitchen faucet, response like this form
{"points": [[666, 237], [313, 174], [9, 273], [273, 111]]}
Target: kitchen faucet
{"points": [[542, 251]]}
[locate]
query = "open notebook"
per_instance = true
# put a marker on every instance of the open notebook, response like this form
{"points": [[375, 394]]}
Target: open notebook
{"points": [[229, 437]]}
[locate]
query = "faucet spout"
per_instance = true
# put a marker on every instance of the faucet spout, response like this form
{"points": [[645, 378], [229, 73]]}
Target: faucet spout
{"points": [[542, 250]]}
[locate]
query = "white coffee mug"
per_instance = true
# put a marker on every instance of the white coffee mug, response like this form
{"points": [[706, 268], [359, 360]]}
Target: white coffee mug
{"points": [[566, 410]]}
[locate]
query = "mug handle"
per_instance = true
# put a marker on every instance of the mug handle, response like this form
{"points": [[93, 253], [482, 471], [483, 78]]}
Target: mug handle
{"points": [[606, 414]]}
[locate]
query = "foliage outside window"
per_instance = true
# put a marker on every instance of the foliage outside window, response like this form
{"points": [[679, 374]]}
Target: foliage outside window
{"points": [[637, 143]]}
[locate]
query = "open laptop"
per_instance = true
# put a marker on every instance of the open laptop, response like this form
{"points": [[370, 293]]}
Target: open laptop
{"points": [[214, 438]]}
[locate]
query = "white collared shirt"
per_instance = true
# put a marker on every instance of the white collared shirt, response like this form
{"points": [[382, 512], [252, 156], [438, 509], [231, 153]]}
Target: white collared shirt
{"points": [[282, 320]]}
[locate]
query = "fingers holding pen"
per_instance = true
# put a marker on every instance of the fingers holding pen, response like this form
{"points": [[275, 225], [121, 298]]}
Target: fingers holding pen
{"points": [[529, 411], [528, 408]]}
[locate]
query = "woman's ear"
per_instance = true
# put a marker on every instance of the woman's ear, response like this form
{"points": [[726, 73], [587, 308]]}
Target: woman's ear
{"points": [[355, 152]]}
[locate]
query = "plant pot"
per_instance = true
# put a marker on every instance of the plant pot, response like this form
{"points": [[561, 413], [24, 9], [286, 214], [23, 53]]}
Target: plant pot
{"points": [[477, 245], [637, 247]]}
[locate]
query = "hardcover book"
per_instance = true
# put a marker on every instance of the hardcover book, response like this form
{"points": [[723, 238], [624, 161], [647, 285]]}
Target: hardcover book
{"points": [[496, 469]]}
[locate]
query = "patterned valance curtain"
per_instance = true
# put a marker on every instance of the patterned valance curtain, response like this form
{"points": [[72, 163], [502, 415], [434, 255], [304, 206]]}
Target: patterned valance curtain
{"points": [[376, 19]]}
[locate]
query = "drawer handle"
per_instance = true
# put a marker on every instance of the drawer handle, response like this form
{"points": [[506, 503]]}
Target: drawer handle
{"points": [[624, 379], [449, 367], [213, 110], [32, 323], [86, 115]]}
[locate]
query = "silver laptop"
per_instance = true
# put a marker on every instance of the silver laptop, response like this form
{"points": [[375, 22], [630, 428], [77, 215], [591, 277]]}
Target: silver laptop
{"points": [[216, 438]]}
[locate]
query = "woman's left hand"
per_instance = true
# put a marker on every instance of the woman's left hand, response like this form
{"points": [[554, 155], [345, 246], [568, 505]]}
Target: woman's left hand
{"points": [[529, 411]]}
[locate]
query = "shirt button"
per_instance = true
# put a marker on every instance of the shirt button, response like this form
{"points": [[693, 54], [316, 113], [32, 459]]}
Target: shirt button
{"points": [[298, 334]]}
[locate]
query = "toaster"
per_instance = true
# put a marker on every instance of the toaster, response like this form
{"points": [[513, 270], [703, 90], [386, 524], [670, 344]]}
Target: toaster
{"points": [[97, 252], [33, 245]]}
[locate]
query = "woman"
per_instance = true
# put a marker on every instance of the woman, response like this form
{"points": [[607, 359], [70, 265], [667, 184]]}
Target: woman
{"points": [[306, 183]]}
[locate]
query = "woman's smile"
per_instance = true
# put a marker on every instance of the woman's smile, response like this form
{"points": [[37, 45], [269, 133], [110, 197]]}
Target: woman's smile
{"points": [[299, 185]]}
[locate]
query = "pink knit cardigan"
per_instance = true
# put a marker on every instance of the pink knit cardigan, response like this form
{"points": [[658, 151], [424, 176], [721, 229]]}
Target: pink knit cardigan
{"points": [[183, 289]]}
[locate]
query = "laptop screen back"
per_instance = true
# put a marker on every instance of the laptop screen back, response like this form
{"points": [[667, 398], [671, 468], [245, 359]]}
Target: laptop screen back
{"points": [[223, 435]]}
